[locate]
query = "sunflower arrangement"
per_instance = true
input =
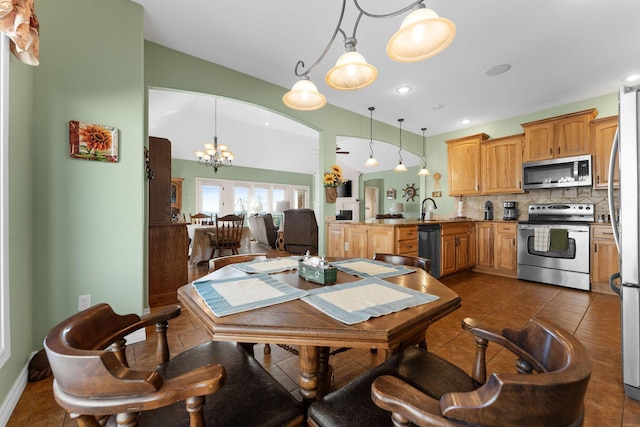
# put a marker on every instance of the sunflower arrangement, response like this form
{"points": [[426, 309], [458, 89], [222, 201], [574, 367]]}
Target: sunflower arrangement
{"points": [[334, 178]]}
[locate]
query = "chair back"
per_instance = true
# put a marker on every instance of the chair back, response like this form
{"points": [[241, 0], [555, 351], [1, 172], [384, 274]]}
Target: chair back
{"points": [[83, 365], [300, 231], [413, 261], [201, 219], [553, 395], [218, 263], [228, 232]]}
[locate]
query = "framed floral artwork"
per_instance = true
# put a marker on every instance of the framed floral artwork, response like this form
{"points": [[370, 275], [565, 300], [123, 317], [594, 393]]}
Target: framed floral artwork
{"points": [[93, 142]]}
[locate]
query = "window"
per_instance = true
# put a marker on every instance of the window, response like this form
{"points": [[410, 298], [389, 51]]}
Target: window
{"points": [[5, 342], [223, 197]]}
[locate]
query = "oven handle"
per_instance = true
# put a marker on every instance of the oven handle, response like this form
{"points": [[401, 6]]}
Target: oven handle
{"points": [[571, 229]]}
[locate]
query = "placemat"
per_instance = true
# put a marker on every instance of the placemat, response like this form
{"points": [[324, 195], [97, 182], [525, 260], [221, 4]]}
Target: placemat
{"points": [[364, 267], [269, 265], [231, 296], [356, 302]]}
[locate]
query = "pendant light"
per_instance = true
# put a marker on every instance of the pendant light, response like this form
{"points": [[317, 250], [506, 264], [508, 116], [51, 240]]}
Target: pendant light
{"points": [[371, 161], [400, 167], [424, 171]]}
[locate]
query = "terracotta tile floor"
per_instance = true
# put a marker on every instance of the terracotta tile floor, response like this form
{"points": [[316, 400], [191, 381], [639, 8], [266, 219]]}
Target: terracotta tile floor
{"points": [[593, 318]]}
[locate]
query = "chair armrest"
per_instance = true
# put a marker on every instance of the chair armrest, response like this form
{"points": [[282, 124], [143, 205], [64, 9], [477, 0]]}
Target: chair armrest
{"points": [[396, 396], [166, 313], [201, 381]]}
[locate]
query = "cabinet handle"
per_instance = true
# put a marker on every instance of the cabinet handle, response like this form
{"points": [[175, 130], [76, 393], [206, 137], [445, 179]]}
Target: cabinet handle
{"points": [[558, 150], [551, 151], [598, 179], [519, 184], [595, 247]]}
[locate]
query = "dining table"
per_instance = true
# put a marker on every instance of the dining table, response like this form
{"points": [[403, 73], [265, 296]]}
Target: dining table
{"points": [[200, 236], [313, 331]]}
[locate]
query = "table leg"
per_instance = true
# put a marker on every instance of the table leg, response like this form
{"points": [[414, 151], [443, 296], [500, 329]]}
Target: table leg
{"points": [[309, 371]]}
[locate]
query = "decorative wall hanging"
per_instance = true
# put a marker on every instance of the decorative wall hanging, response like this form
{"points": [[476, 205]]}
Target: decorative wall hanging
{"points": [[391, 194], [93, 142], [331, 180], [410, 192]]}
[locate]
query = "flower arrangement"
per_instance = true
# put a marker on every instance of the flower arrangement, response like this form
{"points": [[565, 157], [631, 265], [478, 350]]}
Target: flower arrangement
{"points": [[334, 178]]}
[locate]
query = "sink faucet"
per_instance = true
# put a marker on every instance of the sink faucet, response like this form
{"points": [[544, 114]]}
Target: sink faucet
{"points": [[424, 211]]}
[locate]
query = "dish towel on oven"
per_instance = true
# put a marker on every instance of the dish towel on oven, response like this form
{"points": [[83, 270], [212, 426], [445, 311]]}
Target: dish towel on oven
{"points": [[541, 239], [558, 239]]}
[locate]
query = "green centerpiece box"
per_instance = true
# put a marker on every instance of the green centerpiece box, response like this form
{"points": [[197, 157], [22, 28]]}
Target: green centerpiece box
{"points": [[324, 276]]}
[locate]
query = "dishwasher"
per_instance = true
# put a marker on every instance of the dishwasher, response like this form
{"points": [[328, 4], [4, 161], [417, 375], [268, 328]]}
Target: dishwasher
{"points": [[429, 246]]}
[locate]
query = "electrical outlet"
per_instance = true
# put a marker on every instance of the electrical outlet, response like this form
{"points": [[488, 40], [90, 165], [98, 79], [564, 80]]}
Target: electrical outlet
{"points": [[84, 302]]}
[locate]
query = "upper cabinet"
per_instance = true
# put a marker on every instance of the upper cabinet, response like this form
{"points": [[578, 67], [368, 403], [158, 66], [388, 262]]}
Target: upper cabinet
{"points": [[464, 164], [561, 136], [501, 165], [602, 134]]}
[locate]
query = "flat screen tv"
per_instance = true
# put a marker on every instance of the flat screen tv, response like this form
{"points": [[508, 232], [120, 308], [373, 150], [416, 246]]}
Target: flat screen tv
{"points": [[344, 190]]}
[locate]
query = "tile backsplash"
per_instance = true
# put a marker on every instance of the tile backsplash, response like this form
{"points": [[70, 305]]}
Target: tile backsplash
{"points": [[474, 205]]}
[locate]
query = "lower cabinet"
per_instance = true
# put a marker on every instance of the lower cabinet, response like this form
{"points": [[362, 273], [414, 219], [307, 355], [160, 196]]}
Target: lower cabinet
{"points": [[364, 240], [497, 248], [455, 247], [604, 257]]}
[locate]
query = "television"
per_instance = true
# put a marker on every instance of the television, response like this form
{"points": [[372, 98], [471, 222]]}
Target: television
{"points": [[344, 190]]}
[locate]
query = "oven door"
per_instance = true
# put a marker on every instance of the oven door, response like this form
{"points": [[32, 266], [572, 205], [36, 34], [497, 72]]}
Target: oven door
{"points": [[574, 258]]}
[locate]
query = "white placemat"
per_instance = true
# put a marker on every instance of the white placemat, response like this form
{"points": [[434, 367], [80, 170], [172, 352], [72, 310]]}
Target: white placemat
{"points": [[231, 296], [358, 301], [270, 265], [364, 267]]}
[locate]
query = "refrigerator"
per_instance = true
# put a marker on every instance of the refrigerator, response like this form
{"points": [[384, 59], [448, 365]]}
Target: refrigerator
{"points": [[626, 233]]}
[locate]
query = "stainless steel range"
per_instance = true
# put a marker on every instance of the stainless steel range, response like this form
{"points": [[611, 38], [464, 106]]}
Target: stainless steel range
{"points": [[553, 244]]}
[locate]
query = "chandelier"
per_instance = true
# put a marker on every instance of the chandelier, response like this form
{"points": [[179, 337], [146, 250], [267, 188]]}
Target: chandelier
{"points": [[215, 155], [422, 35]]}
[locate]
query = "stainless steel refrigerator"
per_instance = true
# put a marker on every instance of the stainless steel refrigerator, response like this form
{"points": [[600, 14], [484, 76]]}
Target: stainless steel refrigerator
{"points": [[626, 232]]}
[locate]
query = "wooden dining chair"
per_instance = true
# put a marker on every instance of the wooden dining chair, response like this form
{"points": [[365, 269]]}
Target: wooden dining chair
{"points": [[201, 219], [218, 263], [94, 382], [409, 260], [228, 234], [545, 387]]}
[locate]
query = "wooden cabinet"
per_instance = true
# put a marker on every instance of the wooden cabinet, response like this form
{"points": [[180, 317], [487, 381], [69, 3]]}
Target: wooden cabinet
{"points": [[561, 136], [604, 257], [497, 248], [602, 133], [160, 185], [464, 164], [364, 240], [501, 165], [455, 247]]}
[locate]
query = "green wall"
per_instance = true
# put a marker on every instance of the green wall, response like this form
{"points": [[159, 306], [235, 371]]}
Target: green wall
{"points": [[190, 170]]}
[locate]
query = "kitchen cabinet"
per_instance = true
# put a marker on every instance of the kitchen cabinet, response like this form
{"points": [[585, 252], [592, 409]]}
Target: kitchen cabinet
{"points": [[463, 156], [455, 247], [364, 240], [561, 136], [602, 133], [406, 240], [497, 248], [604, 257], [501, 165]]}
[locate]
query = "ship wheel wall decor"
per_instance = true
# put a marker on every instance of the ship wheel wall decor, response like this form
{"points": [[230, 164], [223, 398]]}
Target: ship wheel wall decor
{"points": [[410, 192]]}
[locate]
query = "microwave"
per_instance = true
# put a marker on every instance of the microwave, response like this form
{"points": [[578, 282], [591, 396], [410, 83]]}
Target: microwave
{"points": [[557, 173]]}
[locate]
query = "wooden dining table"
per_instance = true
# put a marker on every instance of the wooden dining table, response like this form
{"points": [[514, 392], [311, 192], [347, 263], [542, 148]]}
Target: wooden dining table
{"points": [[300, 324]]}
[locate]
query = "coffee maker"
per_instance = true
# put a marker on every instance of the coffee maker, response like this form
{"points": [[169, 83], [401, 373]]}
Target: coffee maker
{"points": [[510, 211], [488, 210]]}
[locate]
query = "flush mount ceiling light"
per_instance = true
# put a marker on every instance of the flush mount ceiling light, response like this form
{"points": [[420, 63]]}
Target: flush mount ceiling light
{"points": [[424, 171], [371, 161], [400, 167], [422, 34], [216, 156], [498, 69], [403, 89]]}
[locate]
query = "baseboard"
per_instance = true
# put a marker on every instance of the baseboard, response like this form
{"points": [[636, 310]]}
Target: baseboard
{"points": [[11, 401]]}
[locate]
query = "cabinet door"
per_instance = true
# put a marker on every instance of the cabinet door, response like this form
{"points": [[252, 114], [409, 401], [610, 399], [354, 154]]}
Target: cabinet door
{"points": [[604, 260], [380, 239], [602, 133], [572, 135], [448, 257], [464, 165], [501, 162], [484, 239], [538, 141], [355, 241], [462, 252], [472, 245], [505, 251], [335, 240]]}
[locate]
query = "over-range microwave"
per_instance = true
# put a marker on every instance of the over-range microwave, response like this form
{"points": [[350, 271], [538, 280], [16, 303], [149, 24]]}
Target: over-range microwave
{"points": [[557, 173]]}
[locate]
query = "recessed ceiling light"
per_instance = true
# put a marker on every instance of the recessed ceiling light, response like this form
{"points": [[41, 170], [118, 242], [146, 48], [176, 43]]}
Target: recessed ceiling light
{"points": [[266, 123], [634, 78], [465, 121], [403, 89], [498, 69], [438, 107]]}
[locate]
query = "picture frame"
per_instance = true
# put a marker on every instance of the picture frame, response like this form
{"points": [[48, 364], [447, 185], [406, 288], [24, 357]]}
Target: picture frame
{"points": [[391, 194], [90, 141]]}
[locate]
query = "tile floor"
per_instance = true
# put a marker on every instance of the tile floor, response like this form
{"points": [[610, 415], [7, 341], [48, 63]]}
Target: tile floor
{"points": [[593, 318]]}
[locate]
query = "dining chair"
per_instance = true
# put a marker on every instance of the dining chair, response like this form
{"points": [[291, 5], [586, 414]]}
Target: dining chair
{"points": [[409, 260], [545, 387], [95, 383], [201, 219], [228, 234]]}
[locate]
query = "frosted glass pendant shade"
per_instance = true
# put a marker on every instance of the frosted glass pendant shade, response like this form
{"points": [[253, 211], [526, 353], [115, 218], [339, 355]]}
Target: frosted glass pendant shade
{"points": [[304, 96], [351, 72]]}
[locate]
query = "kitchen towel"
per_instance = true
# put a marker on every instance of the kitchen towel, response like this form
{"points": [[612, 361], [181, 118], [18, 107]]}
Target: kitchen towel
{"points": [[558, 239], [364, 267], [541, 239]]}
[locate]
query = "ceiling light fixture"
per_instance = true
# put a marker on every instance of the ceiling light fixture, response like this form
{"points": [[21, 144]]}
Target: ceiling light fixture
{"points": [[371, 161], [424, 171], [422, 34], [498, 69], [216, 156], [400, 167], [403, 89]]}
